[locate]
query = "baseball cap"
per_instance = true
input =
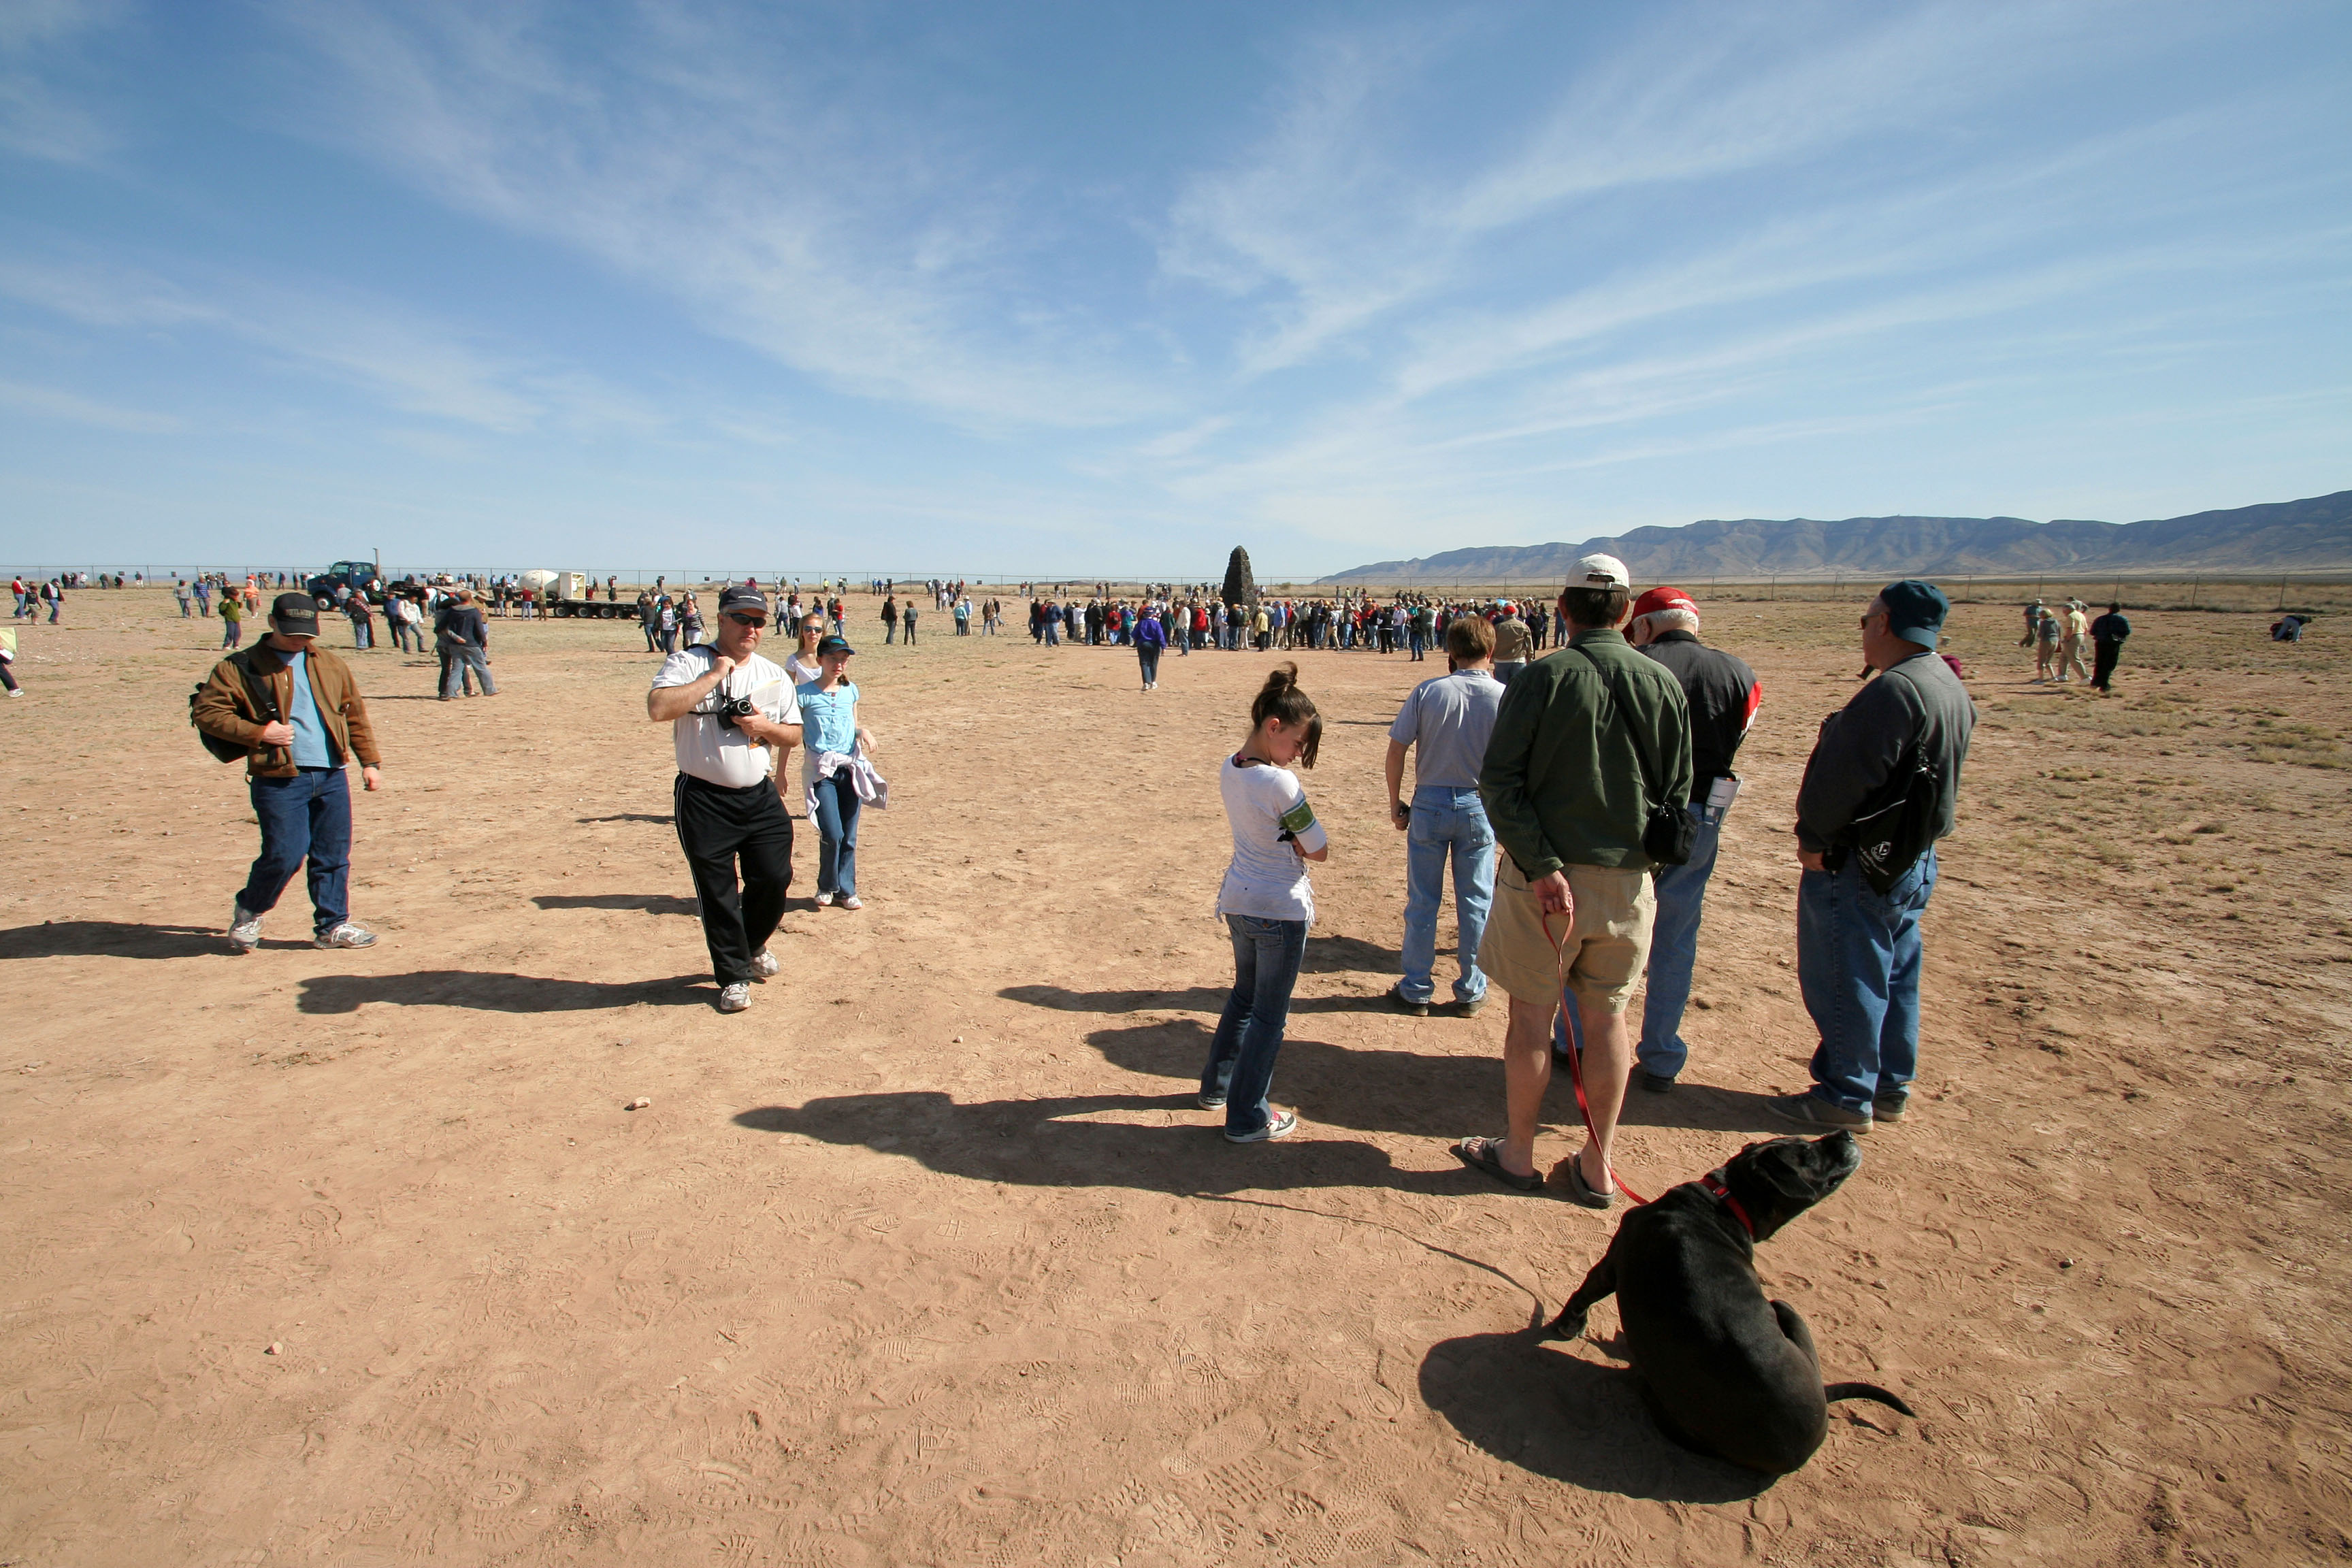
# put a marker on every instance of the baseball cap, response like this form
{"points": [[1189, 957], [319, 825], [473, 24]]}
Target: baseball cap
{"points": [[833, 645], [1915, 610], [1663, 599], [740, 598], [1600, 571], [296, 614]]}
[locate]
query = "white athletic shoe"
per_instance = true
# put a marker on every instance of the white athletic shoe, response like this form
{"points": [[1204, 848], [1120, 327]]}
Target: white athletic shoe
{"points": [[343, 935], [244, 930], [735, 999], [824, 900], [764, 965], [851, 902]]}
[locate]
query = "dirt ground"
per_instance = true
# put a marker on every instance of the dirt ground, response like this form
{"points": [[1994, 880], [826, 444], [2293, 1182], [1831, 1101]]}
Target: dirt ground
{"points": [[927, 1258]]}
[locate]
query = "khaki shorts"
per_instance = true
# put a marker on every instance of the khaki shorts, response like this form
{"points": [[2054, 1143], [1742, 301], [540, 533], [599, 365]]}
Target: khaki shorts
{"points": [[1606, 947]]}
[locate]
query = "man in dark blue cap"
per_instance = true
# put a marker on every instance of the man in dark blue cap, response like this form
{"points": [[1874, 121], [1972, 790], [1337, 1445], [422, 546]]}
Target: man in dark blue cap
{"points": [[1858, 905]]}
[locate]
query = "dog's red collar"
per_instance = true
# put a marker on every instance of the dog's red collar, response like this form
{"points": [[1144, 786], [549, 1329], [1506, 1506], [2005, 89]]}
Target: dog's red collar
{"points": [[1714, 1184]]}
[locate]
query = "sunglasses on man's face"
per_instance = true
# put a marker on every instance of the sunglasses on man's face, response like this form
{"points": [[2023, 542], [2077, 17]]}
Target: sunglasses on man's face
{"points": [[747, 620]]}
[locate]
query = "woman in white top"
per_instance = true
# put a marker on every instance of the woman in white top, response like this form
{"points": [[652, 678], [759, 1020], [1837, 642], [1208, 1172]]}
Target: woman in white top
{"points": [[1268, 903], [801, 664]]}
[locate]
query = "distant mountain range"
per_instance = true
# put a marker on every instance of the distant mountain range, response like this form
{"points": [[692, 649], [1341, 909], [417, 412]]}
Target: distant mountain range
{"points": [[2300, 535]]}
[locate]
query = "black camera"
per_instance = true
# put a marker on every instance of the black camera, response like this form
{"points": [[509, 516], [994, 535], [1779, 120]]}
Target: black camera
{"points": [[730, 709]]}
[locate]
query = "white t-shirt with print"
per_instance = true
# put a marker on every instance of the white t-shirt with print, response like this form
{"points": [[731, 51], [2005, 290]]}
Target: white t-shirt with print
{"points": [[721, 754], [1266, 880]]}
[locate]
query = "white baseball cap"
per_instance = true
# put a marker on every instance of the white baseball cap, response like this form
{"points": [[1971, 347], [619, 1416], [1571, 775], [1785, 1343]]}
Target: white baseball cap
{"points": [[1600, 571]]}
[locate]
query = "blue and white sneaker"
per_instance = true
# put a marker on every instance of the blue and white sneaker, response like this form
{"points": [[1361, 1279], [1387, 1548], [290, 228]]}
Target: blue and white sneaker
{"points": [[1282, 1124]]}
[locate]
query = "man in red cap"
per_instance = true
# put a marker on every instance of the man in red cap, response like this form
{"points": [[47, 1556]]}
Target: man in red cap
{"points": [[1722, 693]]}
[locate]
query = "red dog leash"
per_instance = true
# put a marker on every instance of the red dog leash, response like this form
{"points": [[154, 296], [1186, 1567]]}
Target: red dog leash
{"points": [[1576, 1069]]}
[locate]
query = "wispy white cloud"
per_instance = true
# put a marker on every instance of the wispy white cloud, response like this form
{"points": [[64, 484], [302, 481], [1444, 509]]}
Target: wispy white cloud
{"points": [[405, 361], [55, 403], [700, 156], [1335, 226], [38, 118]]}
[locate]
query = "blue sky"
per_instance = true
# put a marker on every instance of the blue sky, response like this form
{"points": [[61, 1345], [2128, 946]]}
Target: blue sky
{"points": [[1112, 288]]}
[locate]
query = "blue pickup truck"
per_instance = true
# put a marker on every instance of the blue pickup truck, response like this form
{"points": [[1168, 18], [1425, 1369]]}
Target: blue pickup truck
{"points": [[353, 575]]}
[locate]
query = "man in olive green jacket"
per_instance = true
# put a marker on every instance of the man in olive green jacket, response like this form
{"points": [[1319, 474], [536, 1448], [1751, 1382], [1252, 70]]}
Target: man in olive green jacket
{"points": [[1588, 740], [295, 707]]}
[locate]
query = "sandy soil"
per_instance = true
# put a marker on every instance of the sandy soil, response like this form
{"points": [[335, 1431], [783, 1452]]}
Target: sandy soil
{"points": [[927, 1260]]}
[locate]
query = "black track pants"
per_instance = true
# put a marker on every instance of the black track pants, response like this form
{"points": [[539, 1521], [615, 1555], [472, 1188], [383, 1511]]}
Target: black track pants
{"points": [[715, 825]]}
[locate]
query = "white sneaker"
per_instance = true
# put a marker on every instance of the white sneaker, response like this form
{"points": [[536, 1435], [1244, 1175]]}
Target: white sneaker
{"points": [[244, 930], [1281, 1125], [343, 935], [850, 903], [735, 999], [764, 965], [824, 900]]}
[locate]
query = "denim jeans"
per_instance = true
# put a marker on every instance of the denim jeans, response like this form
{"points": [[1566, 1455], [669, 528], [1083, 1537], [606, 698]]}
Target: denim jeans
{"points": [[1674, 949], [306, 817], [1149, 656], [465, 659], [1858, 967], [363, 633], [836, 836], [1266, 956], [1446, 823]]}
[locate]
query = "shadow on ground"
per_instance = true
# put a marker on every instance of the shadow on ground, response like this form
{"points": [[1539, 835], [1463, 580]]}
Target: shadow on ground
{"points": [[664, 819], [1428, 1095], [1534, 1405], [498, 993], [651, 903], [114, 939], [1163, 1144]]}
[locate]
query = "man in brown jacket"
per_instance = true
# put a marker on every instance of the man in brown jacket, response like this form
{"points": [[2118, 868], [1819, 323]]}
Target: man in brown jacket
{"points": [[295, 707]]}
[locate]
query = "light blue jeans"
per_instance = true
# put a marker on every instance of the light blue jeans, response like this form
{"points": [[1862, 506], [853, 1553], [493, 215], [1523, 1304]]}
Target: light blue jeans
{"points": [[1674, 949], [1858, 967], [1446, 823]]}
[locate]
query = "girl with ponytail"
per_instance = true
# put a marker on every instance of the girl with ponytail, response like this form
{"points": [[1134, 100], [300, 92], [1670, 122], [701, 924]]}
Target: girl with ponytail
{"points": [[1268, 904]]}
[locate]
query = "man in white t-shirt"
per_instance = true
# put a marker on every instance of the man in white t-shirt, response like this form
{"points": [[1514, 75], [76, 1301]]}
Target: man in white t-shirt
{"points": [[726, 706]]}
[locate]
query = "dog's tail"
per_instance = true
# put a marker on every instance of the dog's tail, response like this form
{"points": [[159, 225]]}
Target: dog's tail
{"points": [[1837, 1391]]}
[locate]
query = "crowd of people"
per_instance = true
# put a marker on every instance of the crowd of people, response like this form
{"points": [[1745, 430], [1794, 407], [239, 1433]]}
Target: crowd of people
{"points": [[1194, 619], [1578, 809]]}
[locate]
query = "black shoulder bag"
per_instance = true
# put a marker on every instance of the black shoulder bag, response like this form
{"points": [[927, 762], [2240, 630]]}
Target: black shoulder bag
{"points": [[1897, 822], [256, 691], [1668, 834]]}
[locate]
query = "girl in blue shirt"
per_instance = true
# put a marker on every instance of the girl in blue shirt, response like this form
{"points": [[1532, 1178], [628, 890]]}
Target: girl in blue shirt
{"points": [[829, 721]]}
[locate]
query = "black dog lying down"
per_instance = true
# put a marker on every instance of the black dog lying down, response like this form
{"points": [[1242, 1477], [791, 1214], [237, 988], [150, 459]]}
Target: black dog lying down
{"points": [[1726, 1372]]}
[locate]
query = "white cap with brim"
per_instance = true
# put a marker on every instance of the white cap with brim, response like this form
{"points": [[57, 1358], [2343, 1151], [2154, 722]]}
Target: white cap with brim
{"points": [[1600, 571]]}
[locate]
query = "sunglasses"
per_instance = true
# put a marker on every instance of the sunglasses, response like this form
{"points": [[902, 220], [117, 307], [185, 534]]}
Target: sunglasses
{"points": [[747, 620]]}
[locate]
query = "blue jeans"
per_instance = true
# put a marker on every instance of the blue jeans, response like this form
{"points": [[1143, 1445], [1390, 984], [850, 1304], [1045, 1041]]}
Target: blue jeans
{"points": [[306, 817], [1858, 967], [1149, 656], [1446, 823], [836, 836], [464, 660], [1266, 956], [1674, 949]]}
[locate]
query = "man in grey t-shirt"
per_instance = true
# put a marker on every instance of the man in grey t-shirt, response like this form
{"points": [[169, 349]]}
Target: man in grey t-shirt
{"points": [[1449, 718]]}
